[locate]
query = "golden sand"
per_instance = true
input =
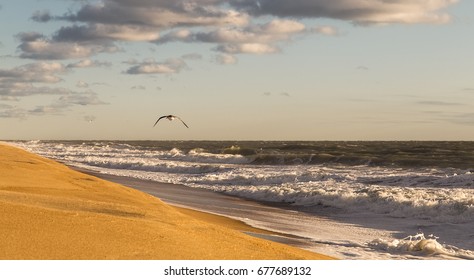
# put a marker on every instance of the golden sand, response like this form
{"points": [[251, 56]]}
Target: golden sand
{"points": [[49, 211]]}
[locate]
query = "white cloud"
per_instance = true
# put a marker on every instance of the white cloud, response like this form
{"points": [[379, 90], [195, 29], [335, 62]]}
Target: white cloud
{"points": [[15, 91], [8, 111], [273, 31], [105, 32], [63, 103], [253, 48], [254, 39], [279, 26], [80, 98], [82, 84], [66, 101], [182, 35], [96, 27], [226, 59], [172, 13], [159, 14], [39, 47], [358, 12], [41, 16], [40, 72], [86, 63], [38, 79], [169, 66], [46, 110], [326, 30], [192, 56]]}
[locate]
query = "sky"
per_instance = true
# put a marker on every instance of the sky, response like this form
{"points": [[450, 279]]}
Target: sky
{"points": [[237, 69]]}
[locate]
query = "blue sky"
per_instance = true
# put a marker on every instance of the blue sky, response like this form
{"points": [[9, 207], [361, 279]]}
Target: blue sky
{"points": [[237, 69]]}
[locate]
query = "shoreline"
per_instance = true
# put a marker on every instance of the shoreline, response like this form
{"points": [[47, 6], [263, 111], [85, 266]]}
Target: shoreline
{"points": [[51, 211], [210, 205]]}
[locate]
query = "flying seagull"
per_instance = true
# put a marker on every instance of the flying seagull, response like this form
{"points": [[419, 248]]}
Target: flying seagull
{"points": [[170, 117]]}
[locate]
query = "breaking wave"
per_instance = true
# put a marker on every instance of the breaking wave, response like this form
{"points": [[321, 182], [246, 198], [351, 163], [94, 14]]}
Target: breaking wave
{"points": [[418, 244], [438, 194]]}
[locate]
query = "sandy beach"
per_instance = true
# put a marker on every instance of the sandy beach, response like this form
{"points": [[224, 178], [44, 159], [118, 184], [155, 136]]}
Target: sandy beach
{"points": [[50, 211]]}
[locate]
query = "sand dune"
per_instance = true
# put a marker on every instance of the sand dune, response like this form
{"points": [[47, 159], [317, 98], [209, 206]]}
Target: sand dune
{"points": [[49, 211]]}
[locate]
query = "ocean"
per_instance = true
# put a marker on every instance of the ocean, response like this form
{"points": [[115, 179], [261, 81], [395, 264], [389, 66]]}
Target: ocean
{"points": [[351, 200]]}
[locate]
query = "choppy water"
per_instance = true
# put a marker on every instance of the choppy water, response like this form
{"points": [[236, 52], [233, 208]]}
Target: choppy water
{"points": [[429, 185]]}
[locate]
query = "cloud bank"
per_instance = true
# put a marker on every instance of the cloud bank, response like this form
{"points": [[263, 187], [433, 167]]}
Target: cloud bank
{"points": [[228, 24], [229, 27], [169, 66], [357, 12], [39, 78]]}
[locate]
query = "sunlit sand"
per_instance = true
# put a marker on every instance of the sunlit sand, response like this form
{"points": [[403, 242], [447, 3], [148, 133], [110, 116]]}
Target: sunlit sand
{"points": [[52, 212]]}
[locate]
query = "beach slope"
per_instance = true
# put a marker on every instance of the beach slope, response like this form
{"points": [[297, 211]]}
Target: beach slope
{"points": [[49, 211]]}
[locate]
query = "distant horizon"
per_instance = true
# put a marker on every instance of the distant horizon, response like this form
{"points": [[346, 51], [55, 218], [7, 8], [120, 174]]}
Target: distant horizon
{"points": [[209, 140]]}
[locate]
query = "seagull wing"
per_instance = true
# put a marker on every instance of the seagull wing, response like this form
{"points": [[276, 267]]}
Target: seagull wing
{"points": [[159, 120], [182, 121]]}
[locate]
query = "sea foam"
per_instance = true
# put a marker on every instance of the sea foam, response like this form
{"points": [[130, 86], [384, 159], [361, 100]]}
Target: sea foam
{"points": [[418, 244]]}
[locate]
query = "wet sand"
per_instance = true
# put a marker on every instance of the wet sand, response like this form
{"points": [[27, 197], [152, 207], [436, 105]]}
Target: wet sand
{"points": [[50, 211]]}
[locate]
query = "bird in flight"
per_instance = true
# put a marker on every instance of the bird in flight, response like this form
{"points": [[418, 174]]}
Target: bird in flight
{"points": [[171, 117]]}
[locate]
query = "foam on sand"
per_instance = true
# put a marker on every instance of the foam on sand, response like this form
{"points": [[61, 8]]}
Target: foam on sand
{"points": [[52, 212]]}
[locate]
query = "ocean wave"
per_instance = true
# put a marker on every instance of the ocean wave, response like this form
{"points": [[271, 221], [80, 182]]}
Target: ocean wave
{"points": [[330, 188], [440, 205], [124, 156], [421, 179], [149, 166], [436, 194], [458, 155], [418, 244]]}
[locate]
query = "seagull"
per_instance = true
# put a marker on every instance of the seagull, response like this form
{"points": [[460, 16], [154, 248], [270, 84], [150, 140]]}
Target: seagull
{"points": [[170, 117]]}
